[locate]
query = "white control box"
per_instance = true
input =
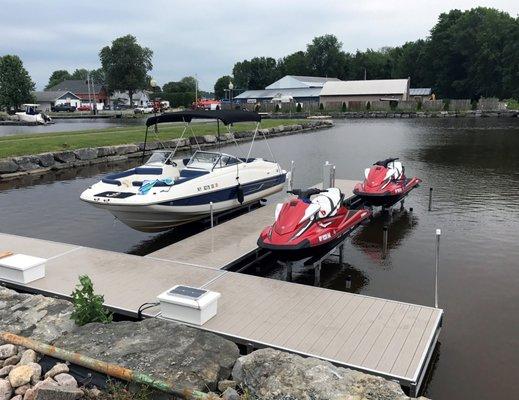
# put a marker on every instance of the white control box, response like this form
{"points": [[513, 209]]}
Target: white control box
{"points": [[20, 268], [188, 304]]}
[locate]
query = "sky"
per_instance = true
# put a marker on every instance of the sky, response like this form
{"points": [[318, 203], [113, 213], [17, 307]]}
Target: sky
{"points": [[205, 38]]}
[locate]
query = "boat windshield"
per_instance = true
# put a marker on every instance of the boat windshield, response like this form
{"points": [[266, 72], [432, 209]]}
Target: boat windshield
{"points": [[209, 160], [160, 157]]}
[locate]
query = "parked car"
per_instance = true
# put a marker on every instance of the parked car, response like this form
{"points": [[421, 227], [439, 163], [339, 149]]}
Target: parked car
{"points": [[84, 107], [119, 107], [63, 107], [143, 110]]}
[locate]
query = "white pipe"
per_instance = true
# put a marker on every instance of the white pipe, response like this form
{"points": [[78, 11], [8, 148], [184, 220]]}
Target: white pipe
{"points": [[438, 234]]}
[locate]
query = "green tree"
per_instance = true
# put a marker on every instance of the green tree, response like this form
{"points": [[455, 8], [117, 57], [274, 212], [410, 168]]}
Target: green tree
{"points": [[79, 74], [256, 73], [57, 77], [294, 64], [221, 85], [15, 82], [88, 306], [325, 56], [189, 83], [126, 65], [186, 84], [98, 75]]}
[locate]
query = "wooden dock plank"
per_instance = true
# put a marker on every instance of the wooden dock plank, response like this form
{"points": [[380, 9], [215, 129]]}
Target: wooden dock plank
{"points": [[429, 330], [33, 247]]}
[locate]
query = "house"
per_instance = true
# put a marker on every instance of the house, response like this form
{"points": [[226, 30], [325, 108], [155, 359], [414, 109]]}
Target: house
{"points": [[97, 92], [338, 92], [297, 88], [139, 98], [420, 94], [48, 98]]}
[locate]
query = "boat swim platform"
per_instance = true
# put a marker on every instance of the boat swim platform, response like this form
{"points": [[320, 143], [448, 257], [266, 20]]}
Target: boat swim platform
{"points": [[383, 337], [228, 243]]}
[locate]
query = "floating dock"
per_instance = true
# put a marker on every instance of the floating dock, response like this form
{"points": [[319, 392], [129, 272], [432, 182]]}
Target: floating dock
{"points": [[387, 338]]}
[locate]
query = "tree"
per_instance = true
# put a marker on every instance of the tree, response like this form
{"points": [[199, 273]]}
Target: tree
{"points": [[190, 83], [98, 75], [15, 83], [325, 56], [57, 77], [126, 65], [294, 64], [256, 73], [79, 74], [221, 85], [186, 84]]}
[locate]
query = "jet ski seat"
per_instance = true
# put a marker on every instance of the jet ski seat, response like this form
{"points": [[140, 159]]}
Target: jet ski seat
{"points": [[398, 169], [328, 202]]}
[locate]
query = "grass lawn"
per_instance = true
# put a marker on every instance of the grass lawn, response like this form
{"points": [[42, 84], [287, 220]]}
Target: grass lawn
{"points": [[17, 145]]}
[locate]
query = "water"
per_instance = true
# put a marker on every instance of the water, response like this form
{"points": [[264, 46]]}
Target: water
{"points": [[472, 165], [70, 124]]}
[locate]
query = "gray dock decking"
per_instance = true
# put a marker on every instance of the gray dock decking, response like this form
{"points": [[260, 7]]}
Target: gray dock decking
{"points": [[379, 336]]}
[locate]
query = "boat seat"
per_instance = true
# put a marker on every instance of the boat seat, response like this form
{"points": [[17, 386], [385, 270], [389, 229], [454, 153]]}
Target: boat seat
{"points": [[398, 169], [328, 202]]}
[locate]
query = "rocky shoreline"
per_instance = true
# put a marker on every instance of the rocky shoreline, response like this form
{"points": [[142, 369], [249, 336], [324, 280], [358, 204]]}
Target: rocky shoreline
{"points": [[15, 167], [188, 357]]}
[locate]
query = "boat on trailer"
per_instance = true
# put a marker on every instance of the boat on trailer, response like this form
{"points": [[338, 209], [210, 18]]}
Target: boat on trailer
{"points": [[166, 191]]}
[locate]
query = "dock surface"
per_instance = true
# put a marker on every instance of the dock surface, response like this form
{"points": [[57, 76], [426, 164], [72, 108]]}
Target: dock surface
{"points": [[379, 336]]}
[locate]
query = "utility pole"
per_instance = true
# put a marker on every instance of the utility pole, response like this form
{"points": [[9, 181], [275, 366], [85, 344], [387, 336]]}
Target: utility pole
{"points": [[365, 73], [196, 89]]}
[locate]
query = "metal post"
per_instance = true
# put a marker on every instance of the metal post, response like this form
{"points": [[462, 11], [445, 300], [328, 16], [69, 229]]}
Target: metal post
{"points": [[384, 241], [341, 253], [430, 198], [438, 234], [348, 281], [332, 177], [289, 271], [327, 175], [212, 213], [291, 180], [317, 278]]}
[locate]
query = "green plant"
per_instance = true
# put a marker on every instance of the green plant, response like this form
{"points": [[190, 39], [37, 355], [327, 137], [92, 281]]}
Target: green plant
{"points": [[473, 105], [277, 108], [120, 391], [298, 107], [321, 106], [368, 105], [512, 104], [419, 106], [446, 104], [343, 108], [88, 306]]}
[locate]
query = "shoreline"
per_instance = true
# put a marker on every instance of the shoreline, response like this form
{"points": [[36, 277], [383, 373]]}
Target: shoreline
{"points": [[41, 163]]}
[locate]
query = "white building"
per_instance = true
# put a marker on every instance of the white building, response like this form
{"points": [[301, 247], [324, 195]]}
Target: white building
{"points": [[365, 90], [139, 98], [46, 99]]}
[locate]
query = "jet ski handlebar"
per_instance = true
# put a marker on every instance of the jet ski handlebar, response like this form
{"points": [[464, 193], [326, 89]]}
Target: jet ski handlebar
{"points": [[385, 162], [305, 194]]}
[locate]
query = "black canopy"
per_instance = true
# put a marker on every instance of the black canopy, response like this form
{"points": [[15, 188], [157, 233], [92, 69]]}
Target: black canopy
{"points": [[227, 117]]}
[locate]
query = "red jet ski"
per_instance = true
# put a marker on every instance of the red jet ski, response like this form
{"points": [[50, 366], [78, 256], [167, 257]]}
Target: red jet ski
{"points": [[316, 220], [385, 183]]}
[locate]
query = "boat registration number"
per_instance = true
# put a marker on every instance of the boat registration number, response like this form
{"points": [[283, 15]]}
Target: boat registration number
{"points": [[207, 187]]}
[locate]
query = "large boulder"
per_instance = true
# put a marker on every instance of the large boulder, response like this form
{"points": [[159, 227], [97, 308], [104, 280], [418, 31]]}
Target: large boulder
{"points": [[65, 156], [273, 374], [165, 350], [86, 154], [27, 163], [46, 159], [126, 149], [210, 139], [35, 316], [105, 151], [8, 166]]}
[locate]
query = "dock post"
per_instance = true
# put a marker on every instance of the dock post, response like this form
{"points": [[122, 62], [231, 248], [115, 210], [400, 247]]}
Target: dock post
{"points": [[212, 213], [332, 177], [341, 253], [327, 172], [438, 234], [291, 180], [289, 271], [384, 241], [317, 278], [430, 198]]}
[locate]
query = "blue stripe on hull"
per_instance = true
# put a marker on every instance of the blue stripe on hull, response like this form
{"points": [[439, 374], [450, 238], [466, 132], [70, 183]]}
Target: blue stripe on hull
{"points": [[228, 193]]}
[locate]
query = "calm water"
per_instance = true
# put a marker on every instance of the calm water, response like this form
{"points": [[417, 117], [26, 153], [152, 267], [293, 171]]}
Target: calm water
{"points": [[473, 166], [71, 124]]}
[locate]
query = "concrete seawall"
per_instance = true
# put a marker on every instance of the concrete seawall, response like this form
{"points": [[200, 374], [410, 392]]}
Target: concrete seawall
{"points": [[15, 167]]}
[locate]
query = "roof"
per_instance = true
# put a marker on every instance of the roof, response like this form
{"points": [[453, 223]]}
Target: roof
{"points": [[52, 95], [227, 117], [298, 81], [271, 93], [76, 86], [420, 91], [365, 87]]}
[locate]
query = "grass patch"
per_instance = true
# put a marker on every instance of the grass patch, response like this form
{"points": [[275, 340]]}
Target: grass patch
{"points": [[17, 145]]}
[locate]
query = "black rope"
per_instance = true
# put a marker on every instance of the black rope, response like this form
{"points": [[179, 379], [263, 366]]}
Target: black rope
{"points": [[144, 307]]}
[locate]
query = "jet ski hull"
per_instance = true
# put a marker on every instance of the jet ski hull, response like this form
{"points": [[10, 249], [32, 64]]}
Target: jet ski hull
{"points": [[386, 197]]}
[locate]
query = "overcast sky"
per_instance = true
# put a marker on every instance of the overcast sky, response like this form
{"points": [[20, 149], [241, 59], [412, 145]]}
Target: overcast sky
{"points": [[203, 37]]}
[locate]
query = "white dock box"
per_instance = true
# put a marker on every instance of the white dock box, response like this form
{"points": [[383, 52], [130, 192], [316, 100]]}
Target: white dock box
{"points": [[21, 268], [188, 304]]}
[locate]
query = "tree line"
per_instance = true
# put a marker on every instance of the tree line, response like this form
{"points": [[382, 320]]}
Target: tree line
{"points": [[468, 54]]}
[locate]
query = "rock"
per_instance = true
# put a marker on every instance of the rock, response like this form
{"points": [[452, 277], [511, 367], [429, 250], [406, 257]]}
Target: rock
{"points": [[18, 397], [65, 156], [27, 163], [46, 159], [8, 166], [210, 139], [4, 371], [86, 154], [46, 383], [193, 140], [6, 390], [30, 394], [8, 350], [105, 151], [20, 390], [58, 393], [59, 368], [34, 316], [230, 394], [12, 360], [28, 356], [226, 383], [66, 380], [126, 149], [36, 372], [93, 392], [20, 375], [273, 374], [162, 349]]}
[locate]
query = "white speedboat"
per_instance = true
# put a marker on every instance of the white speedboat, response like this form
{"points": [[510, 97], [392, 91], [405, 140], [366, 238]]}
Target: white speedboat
{"points": [[31, 114], [166, 192]]}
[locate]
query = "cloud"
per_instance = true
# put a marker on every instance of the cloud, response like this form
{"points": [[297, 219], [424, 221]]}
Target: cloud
{"points": [[206, 38]]}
